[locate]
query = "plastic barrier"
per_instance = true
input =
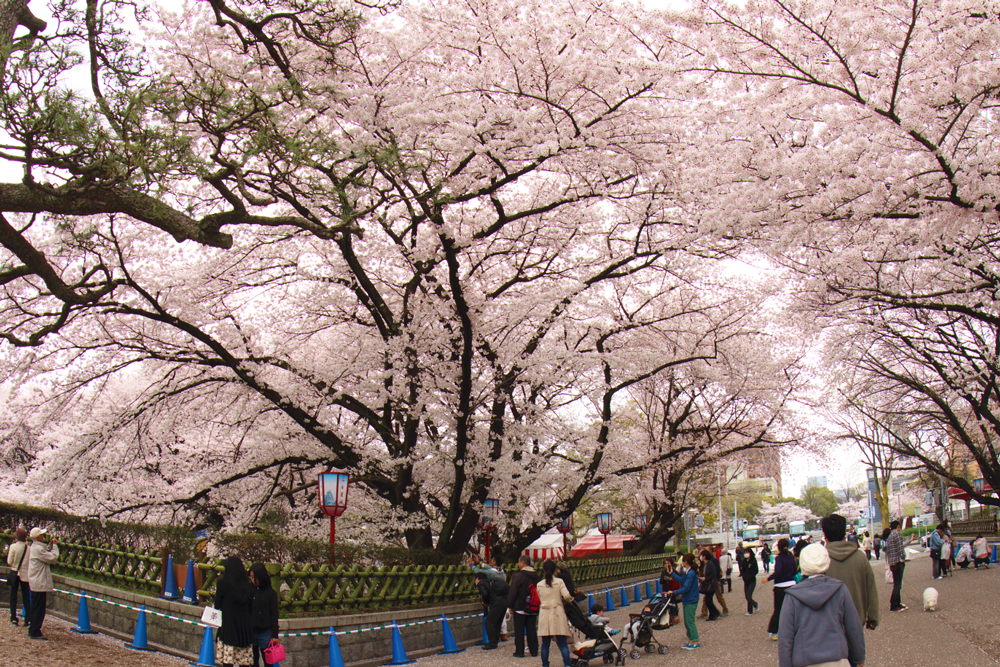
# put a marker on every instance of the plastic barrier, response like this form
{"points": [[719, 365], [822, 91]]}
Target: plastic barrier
{"points": [[450, 645], [190, 594], [207, 656], [83, 617], [398, 652], [170, 588], [139, 640]]}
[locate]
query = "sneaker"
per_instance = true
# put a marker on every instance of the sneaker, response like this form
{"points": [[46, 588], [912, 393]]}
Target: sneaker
{"points": [[756, 606], [691, 647], [773, 635], [725, 613], [901, 607], [749, 613], [40, 638], [702, 616], [490, 647], [13, 622]]}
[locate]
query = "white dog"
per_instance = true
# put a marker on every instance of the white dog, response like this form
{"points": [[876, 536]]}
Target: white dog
{"points": [[930, 599]]}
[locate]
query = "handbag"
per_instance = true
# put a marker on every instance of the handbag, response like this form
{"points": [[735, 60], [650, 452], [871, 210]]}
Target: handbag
{"points": [[888, 575], [274, 652], [12, 576], [212, 617]]}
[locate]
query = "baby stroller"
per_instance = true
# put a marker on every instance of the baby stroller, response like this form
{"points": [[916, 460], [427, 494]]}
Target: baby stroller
{"points": [[598, 644], [657, 615]]}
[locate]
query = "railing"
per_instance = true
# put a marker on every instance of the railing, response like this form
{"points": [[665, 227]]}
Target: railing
{"points": [[987, 526], [109, 565], [311, 588]]}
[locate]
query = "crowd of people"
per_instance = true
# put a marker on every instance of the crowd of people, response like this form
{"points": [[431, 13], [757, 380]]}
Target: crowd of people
{"points": [[248, 602]]}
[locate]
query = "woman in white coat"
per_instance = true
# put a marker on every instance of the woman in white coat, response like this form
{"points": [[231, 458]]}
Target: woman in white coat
{"points": [[552, 621]]}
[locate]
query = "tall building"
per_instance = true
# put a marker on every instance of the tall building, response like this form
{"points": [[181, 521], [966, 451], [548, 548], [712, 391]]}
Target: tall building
{"points": [[756, 469], [816, 481]]}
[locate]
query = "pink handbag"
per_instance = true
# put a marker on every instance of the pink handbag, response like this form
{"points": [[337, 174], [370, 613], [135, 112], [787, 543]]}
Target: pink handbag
{"points": [[274, 653]]}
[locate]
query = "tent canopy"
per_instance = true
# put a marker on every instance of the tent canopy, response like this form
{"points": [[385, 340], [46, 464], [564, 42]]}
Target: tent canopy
{"points": [[592, 545], [547, 546]]}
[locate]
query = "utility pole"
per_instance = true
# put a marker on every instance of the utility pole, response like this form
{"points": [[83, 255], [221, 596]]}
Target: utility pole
{"points": [[724, 530]]}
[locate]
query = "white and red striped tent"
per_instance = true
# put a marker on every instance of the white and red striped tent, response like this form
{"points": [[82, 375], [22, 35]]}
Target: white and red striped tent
{"points": [[546, 546]]}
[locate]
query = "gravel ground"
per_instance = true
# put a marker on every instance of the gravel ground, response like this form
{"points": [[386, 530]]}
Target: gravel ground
{"points": [[965, 631]]}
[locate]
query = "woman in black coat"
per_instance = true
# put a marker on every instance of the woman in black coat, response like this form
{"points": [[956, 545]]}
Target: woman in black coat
{"points": [[234, 598], [265, 612], [710, 581]]}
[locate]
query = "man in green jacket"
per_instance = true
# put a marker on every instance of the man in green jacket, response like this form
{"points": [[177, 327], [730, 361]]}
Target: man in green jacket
{"points": [[849, 564]]}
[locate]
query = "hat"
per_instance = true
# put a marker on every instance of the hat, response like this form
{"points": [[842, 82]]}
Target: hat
{"points": [[561, 564], [37, 532], [20, 534], [814, 559]]}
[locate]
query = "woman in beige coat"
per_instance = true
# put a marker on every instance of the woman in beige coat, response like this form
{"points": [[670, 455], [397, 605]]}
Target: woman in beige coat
{"points": [[552, 621]]}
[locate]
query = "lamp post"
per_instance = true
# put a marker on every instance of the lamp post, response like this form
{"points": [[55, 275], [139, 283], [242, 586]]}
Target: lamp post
{"points": [[333, 500], [566, 526], [641, 523], [490, 508], [604, 527]]}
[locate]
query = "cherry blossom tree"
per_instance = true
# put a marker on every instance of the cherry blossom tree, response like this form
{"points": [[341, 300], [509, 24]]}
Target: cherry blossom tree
{"points": [[857, 144], [783, 512], [434, 251]]}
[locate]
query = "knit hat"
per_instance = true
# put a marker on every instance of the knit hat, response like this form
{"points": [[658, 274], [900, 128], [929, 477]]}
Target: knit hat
{"points": [[814, 559]]}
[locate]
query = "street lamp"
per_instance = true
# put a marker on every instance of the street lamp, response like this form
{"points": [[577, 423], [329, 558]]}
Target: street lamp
{"points": [[566, 526], [491, 506], [333, 500], [604, 527]]}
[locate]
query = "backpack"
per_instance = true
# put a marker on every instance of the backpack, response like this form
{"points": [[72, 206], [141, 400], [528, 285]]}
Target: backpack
{"points": [[532, 603]]}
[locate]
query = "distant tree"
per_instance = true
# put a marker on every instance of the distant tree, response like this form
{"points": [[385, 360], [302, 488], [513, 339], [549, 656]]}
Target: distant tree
{"points": [[819, 500]]}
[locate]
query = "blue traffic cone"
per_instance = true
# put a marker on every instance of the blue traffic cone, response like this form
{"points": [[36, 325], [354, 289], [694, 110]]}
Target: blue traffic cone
{"points": [[609, 605], [590, 602], [190, 594], [139, 641], [993, 558], [450, 645], [659, 587], [649, 592], [486, 636], [398, 652], [625, 601], [636, 595], [207, 656], [83, 617], [336, 659], [170, 588]]}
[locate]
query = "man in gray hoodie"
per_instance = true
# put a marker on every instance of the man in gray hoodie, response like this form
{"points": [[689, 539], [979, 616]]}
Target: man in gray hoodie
{"points": [[850, 565], [819, 623]]}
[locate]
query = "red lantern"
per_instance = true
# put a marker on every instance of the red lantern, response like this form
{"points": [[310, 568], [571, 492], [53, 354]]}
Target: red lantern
{"points": [[333, 500]]}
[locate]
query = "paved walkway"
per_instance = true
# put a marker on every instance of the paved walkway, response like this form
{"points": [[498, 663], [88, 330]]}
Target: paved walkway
{"points": [[964, 632]]}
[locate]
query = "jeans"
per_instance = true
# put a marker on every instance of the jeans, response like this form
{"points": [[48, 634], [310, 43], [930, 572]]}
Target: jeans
{"points": [[563, 648], [767, 565], [749, 585], [260, 642], [897, 585], [936, 563], [36, 614], [25, 598], [525, 623]]}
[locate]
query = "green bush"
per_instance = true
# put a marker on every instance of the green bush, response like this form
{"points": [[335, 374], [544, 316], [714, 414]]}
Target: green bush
{"points": [[669, 549]]}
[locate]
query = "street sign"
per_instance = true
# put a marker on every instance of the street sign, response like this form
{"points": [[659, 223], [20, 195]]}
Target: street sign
{"points": [[699, 520]]}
